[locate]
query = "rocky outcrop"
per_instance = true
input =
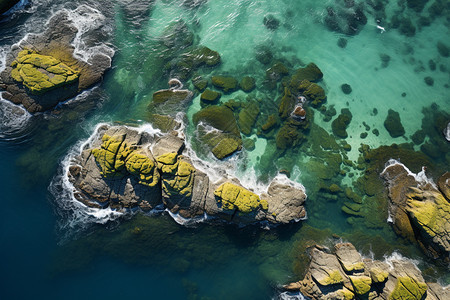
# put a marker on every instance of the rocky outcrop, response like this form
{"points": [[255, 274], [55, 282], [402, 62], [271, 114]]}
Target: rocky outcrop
{"points": [[42, 71], [124, 169], [419, 210], [344, 274]]}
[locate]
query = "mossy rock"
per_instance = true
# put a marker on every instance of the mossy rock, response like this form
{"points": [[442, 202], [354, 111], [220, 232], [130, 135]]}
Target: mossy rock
{"points": [[378, 275], [226, 83], [288, 136], [314, 92], [393, 124], [247, 84], [233, 197], [112, 156], [202, 56], [247, 117], [287, 104], [41, 73], [164, 123], [334, 277], [220, 117], [143, 167], [345, 294], [311, 73], [226, 146], [200, 83], [339, 125], [408, 288], [210, 97], [276, 72], [270, 123], [177, 175], [361, 284], [172, 96]]}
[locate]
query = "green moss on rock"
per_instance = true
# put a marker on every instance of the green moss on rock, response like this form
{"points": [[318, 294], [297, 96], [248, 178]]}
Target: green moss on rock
{"points": [[311, 72], [378, 275], [408, 288], [247, 84], [177, 175], [41, 73], [226, 83], [361, 284], [209, 97], [220, 117], [339, 125], [247, 117], [112, 155], [314, 92], [143, 167], [234, 197]]}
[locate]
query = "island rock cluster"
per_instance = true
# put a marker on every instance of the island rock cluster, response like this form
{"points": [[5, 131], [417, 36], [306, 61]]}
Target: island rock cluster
{"points": [[344, 274], [124, 169]]}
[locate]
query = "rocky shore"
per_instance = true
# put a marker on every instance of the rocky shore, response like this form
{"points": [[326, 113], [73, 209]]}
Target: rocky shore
{"points": [[342, 273], [41, 70], [125, 169], [420, 209]]}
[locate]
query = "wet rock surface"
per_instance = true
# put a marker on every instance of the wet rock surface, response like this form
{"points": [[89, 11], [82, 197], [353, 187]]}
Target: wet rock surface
{"points": [[124, 169], [43, 71], [330, 275]]}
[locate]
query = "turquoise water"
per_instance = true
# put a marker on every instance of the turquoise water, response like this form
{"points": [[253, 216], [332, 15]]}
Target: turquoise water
{"points": [[45, 256]]}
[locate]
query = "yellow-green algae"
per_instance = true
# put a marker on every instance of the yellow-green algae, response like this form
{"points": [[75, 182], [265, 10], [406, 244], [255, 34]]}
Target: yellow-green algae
{"points": [[361, 284], [142, 167], [358, 266], [235, 197], [345, 294], [378, 275], [333, 277], [177, 175], [112, 154], [408, 288], [41, 73]]}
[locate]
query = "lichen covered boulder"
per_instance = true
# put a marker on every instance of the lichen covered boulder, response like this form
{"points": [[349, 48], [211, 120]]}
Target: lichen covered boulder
{"points": [[177, 175], [143, 167], [233, 197], [41, 73], [408, 288]]}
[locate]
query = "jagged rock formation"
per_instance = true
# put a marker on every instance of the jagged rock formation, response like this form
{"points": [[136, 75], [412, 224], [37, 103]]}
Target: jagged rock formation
{"points": [[344, 274], [41, 70], [125, 169], [420, 210]]}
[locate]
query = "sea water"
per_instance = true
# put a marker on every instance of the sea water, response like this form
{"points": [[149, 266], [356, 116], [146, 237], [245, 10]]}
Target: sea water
{"points": [[49, 251]]}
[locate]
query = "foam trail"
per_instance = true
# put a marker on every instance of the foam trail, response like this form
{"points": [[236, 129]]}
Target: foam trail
{"points": [[395, 256], [188, 222], [87, 19], [290, 296], [420, 177]]}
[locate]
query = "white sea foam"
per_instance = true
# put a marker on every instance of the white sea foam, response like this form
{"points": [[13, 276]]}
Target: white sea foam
{"points": [[290, 296], [447, 132], [395, 256], [87, 19], [188, 222], [421, 178], [13, 118]]}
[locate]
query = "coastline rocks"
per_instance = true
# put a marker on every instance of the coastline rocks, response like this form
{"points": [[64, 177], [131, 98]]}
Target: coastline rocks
{"points": [[393, 124], [226, 83], [124, 169], [41, 70], [313, 92], [247, 84], [419, 211], [209, 96], [331, 275]]}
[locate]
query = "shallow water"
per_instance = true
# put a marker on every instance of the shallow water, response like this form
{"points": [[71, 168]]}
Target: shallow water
{"points": [[154, 256]]}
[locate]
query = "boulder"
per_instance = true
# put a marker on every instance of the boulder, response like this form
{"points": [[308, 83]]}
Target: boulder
{"points": [[42, 71], [247, 84], [311, 73], [340, 124], [393, 124], [419, 210], [226, 83], [209, 96], [247, 117], [312, 91], [349, 258]]}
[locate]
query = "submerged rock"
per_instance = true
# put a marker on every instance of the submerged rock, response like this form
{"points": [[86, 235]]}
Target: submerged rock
{"points": [[393, 124], [340, 124], [124, 169], [227, 83], [41, 70], [419, 210], [330, 275]]}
